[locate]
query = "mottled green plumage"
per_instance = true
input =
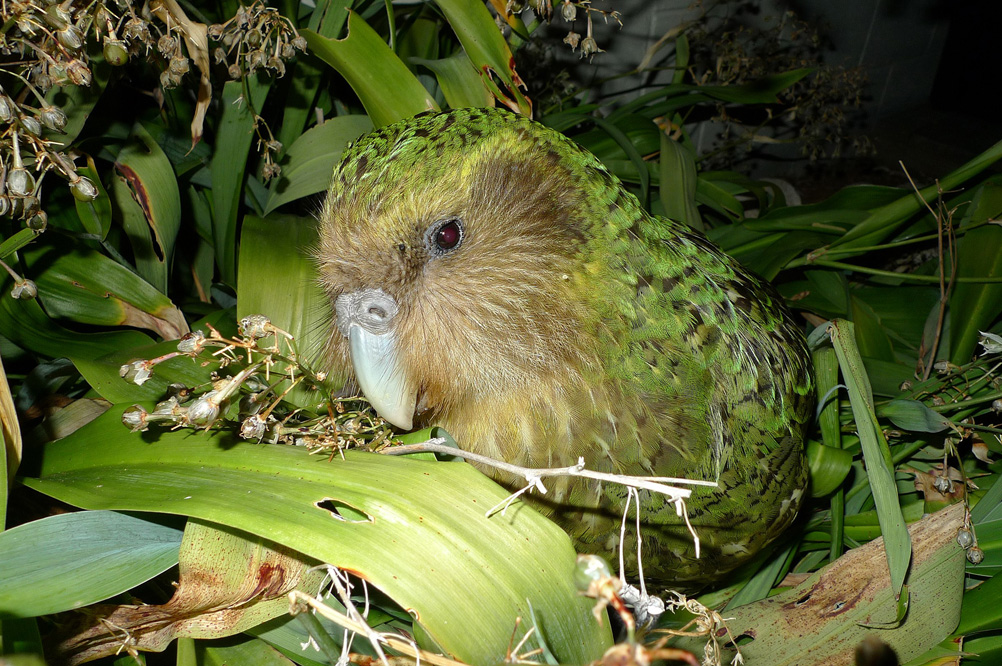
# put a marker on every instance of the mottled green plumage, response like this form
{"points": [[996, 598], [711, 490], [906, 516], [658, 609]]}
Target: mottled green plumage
{"points": [[568, 322]]}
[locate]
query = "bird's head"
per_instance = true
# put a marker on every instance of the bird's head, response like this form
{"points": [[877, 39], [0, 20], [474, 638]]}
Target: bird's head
{"points": [[459, 251]]}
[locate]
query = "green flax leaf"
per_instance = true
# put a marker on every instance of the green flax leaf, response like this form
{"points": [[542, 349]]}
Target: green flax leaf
{"points": [[460, 82], [71, 560], [388, 90], [146, 193], [488, 50], [425, 529], [241, 100], [974, 306], [310, 161], [678, 183], [876, 453]]}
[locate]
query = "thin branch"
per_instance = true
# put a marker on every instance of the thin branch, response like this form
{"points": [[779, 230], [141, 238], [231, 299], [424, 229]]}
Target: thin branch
{"points": [[656, 484], [534, 477]]}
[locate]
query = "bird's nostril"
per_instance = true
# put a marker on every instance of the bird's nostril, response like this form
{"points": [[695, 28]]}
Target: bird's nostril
{"points": [[377, 312]]}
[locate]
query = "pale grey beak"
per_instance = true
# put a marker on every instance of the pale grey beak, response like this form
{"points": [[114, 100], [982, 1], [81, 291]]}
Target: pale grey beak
{"points": [[366, 318]]}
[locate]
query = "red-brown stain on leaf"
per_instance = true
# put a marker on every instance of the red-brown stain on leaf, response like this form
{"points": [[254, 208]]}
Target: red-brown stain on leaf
{"points": [[141, 197], [270, 581]]}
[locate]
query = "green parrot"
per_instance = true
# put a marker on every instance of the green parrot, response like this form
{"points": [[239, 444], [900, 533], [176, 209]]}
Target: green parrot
{"points": [[489, 276]]}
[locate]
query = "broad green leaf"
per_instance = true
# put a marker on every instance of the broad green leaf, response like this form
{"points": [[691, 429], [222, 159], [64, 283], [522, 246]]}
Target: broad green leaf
{"points": [[829, 467], [876, 454], [879, 223], [88, 287], [488, 50], [426, 528], [102, 371], [871, 335], [773, 252], [914, 416], [636, 159], [981, 609], [253, 651], [677, 185], [459, 79], [421, 39], [821, 621], [309, 162], [241, 100], [886, 377], [710, 193], [833, 288], [22, 642], [762, 91], [989, 507], [761, 583], [26, 325], [15, 242], [70, 560], [987, 647], [973, 306], [288, 635], [306, 73], [146, 193], [275, 255], [986, 517], [902, 311], [227, 582], [680, 95], [388, 90]]}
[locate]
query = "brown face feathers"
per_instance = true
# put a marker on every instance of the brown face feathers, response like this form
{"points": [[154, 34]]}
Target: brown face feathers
{"points": [[498, 313]]}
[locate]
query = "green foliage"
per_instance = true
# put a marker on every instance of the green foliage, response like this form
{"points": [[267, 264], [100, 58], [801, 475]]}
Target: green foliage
{"points": [[178, 234]]}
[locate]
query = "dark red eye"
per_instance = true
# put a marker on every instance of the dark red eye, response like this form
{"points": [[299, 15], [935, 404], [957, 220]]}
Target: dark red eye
{"points": [[448, 236], [445, 236]]}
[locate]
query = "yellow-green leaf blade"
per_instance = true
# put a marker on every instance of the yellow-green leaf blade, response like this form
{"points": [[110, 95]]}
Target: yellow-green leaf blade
{"points": [[428, 527], [388, 90]]}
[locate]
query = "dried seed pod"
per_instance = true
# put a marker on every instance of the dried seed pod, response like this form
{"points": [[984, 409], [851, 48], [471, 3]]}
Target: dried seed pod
{"points": [[70, 37], [179, 65], [137, 29], [205, 410], [79, 73], [965, 538], [191, 343], [57, 17], [24, 289], [53, 118], [135, 418], [7, 109], [568, 11], [167, 45], [30, 125], [83, 189], [256, 326], [942, 484], [975, 555], [38, 222], [20, 182]]}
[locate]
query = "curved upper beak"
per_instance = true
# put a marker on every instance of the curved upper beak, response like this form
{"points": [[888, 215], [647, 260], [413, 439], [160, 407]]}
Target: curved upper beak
{"points": [[366, 317]]}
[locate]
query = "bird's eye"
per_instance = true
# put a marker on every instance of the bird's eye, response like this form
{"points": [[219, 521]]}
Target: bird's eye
{"points": [[444, 236]]}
